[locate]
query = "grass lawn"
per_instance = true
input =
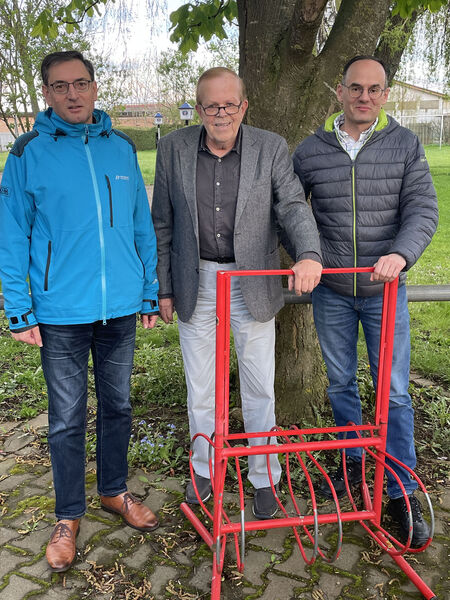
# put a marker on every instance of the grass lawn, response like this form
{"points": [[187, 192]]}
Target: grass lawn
{"points": [[430, 321]]}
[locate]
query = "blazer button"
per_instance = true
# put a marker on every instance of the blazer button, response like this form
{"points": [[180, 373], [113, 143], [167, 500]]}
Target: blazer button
{"points": [[197, 270]]}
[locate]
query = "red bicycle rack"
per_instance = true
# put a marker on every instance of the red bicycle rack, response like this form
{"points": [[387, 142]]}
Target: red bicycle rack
{"points": [[296, 442]]}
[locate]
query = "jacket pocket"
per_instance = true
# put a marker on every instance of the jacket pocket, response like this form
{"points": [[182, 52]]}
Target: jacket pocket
{"points": [[111, 217], [47, 266]]}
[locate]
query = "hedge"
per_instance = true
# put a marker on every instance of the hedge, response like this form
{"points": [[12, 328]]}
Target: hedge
{"points": [[145, 137]]}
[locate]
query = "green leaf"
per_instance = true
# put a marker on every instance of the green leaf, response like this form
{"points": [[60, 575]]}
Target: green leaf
{"points": [[143, 479]]}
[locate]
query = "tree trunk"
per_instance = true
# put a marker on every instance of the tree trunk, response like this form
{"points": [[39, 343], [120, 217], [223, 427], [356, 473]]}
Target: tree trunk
{"points": [[291, 91]]}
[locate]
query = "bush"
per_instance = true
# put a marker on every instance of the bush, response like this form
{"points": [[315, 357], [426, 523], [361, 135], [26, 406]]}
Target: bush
{"points": [[145, 137]]}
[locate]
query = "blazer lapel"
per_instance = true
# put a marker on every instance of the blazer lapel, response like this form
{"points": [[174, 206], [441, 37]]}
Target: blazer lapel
{"points": [[188, 162], [249, 159]]}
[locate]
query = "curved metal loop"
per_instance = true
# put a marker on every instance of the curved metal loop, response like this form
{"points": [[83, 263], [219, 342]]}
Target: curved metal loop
{"points": [[407, 546], [333, 558], [315, 539]]}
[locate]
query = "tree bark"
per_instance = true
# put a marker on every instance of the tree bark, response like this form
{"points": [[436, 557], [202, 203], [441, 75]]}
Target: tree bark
{"points": [[291, 90]]}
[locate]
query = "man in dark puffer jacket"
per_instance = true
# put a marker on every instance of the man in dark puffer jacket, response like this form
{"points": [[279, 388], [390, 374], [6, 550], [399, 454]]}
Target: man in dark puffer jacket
{"points": [[375, 205]]}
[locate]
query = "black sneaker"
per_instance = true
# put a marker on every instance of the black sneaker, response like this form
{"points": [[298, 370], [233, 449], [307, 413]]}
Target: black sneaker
{"points": [[354, 476], [265, 504], [396, 509], [203, 487]]}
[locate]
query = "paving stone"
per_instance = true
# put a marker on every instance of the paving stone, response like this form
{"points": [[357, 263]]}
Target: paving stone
{"points": [[36, 540], [13, 481], [201, 579], [139, 557], [170, 483], [17, 441], [136, 486], [45, 480], [9, 561], [295, 563], [17, 588], [273, 540], [279, 588], [6, 464], [39, 569], [160, 578], [255, 563], [7, 534], [6, 426], [331, 584], [60, 593], [122, 535], [38, 422], [101, 556], [88, 528]]}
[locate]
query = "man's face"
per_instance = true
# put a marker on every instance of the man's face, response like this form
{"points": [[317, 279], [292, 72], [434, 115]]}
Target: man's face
{"points": [[74, 106], [221, 130], [361, 112]]}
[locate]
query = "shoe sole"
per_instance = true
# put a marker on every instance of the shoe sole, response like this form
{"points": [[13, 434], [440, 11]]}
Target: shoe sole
{"points": [[195, 500], [264, 516], [116, 512]]}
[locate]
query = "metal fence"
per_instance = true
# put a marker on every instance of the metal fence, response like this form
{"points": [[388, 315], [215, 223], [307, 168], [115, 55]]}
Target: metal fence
{"points": [[430, 129]]}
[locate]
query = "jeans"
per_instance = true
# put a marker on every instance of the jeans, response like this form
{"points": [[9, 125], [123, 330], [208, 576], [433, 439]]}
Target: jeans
{"points": [[337, 320], [65, 356], [255, 349]]}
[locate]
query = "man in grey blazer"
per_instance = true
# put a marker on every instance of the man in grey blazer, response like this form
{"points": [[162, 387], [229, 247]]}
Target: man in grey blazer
{"points": [[221, 191]]}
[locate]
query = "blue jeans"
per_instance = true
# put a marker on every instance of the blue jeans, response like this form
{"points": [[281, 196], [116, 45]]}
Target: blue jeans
{"points": [[337, 320], [65, 356]]}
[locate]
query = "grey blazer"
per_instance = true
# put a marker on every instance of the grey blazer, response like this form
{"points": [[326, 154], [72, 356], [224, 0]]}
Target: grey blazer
{"points": [[270, 196]]}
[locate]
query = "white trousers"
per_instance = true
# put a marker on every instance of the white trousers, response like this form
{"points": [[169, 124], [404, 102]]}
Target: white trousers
{"points": [[255, 348]]}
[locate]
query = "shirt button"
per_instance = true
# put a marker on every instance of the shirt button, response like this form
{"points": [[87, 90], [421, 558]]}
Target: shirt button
{"points": [[218, 235], [219, 160], [217, 208], [217, 182]]}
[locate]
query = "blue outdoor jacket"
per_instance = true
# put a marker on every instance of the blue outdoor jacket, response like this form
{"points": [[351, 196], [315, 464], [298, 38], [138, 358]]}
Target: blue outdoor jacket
{"points": [[75, 220]]}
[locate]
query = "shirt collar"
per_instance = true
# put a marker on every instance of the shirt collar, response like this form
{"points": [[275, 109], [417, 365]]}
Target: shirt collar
{"points": [[339, 121], [237, 147]]}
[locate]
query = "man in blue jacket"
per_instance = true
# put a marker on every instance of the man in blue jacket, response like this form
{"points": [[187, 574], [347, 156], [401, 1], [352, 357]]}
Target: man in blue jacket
{"points": [[375, 205], [76, 230]]}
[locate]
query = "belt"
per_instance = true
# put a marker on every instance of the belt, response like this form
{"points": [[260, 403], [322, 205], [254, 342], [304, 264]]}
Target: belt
{"points": [[221, 259]]}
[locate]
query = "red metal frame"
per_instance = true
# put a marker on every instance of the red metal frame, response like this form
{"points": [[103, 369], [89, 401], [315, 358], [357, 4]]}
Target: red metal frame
{"points": [[371, 437]]}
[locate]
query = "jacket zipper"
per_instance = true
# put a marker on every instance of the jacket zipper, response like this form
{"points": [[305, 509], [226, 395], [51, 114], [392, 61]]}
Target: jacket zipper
{"points": [[47, 266], [100, 222], [108, 183], [137, 252], [355, 261]]}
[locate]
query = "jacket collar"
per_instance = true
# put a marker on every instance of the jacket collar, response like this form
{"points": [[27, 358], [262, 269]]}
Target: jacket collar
{"points": [[382, 121], [50, 122]]}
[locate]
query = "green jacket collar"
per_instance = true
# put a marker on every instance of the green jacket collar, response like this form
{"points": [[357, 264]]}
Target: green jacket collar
{"points": [[382, 121]]}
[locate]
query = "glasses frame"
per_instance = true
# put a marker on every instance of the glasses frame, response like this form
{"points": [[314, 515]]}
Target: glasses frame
{"points": [[218, 109], [69, 83], [372, 97]]}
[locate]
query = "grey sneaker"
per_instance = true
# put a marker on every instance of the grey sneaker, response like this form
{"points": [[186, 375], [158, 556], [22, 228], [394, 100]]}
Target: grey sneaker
{"points": [[264, 503], [203, 487]]}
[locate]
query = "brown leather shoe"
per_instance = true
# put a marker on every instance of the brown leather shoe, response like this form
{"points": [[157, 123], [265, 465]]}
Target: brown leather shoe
{"points": [[134, 513], [61, 549]]}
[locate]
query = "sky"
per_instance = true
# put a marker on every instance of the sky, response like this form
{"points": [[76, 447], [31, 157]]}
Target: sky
{"points": [[137, 37]]}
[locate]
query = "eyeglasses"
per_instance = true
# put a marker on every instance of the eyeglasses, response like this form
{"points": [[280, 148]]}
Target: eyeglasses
{"points": [[62, 87], [213, 111], [355, 91]]}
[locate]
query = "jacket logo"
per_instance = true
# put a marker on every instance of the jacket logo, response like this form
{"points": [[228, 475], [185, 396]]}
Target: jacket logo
{"points": [[124, 177], [4, 190]]}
